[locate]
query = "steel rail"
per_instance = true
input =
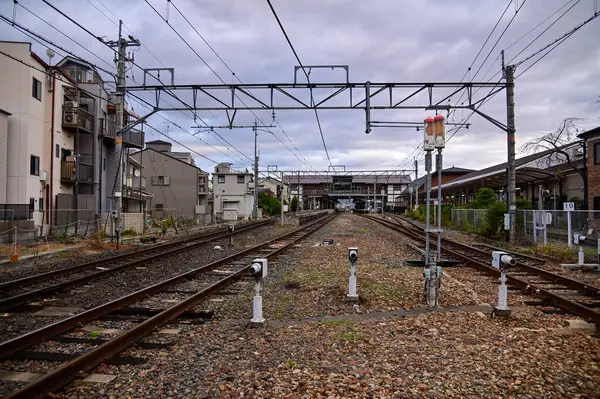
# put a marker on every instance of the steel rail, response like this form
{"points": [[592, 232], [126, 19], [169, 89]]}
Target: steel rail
{"points": [[26, 340], [556, 299], [587, 289], [16, 300], [69, 371], [61, 272]]}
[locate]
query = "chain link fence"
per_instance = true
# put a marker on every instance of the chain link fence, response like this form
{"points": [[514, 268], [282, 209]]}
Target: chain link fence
{"points": [[556, 223]]}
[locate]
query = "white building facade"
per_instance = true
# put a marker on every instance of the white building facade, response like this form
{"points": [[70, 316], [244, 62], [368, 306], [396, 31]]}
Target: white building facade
{"points": [[233, 193]]}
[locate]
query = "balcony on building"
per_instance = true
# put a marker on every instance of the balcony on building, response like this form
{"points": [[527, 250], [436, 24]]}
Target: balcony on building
{"points": [[133, 139], [109, 129], [75, 117], [135, 187], [69, 173]]}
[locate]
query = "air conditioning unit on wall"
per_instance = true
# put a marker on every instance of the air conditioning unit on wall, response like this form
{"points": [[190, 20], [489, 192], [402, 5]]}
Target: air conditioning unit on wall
{"points": [[70, 118], [71, 104]]}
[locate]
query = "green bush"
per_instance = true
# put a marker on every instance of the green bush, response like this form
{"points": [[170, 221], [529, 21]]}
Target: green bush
{"points": [[129, 232], [494, 219], [524, 204], [270, 205], [484, 198]]}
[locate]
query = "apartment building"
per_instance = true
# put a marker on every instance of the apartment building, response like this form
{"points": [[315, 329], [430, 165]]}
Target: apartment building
{"points": [[178, 188], [60, 138], [233, 193], [34, 127]]}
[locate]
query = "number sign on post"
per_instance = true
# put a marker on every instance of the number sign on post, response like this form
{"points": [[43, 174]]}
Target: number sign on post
{"points": [[569, 206]]}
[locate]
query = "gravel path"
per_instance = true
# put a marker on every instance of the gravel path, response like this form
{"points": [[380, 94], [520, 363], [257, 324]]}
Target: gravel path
{"points": [[450, 355], [115, 285]]}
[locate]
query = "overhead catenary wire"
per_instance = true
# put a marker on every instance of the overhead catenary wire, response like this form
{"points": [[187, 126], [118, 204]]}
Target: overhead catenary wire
{"points": [[559, 40], [303, 160], [208, 66], [47, 42], [312, 100]]}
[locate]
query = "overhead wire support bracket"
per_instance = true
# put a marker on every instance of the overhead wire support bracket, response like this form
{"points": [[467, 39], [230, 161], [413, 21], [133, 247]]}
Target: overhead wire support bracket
{"points": [[309, 67], [148, 70]]}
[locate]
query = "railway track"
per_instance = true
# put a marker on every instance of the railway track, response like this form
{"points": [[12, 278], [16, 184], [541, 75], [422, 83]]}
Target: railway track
{"points": [[21, 291], [570, 295], [191, 288]]}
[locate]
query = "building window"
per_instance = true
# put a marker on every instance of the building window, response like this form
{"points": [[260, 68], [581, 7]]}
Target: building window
{"points": [[240, 179], [161, 180], [36, 90], [596, 153], [41, 204], [104, 164], [159, 207], [31, 204], [398, 187], [34, 165], [221, 179], [597, 207], [57, 151]]}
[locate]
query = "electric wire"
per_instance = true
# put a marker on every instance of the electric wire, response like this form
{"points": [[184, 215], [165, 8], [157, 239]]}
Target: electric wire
{"points": [[212, 69], [237, 78], [41, 40], [559, 40], [312, 100]]}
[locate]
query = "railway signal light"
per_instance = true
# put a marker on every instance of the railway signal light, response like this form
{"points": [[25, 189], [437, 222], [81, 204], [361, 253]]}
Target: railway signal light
{"points": [[353, 257], [258, 270], [503, 262]]}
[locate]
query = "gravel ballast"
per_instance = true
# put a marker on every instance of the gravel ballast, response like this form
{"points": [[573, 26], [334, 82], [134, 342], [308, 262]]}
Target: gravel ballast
{"points": [[115, 285], [315, 344]]}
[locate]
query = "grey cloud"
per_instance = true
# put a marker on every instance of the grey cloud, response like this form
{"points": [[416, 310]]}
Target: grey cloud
{"points": [[385, 40]]}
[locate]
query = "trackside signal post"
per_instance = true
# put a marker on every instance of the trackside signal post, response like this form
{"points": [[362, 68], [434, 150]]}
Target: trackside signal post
{"points": [[434, 138]]}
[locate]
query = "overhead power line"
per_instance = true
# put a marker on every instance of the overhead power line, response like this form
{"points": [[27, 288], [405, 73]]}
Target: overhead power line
{"points": [[210, 68], [312, 100], [304, 161], [559, 40], [47, 42]]}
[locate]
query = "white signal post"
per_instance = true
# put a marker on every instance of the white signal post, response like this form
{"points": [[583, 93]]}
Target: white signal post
{"points": [[258, 270], [352, 293], [568, 207], [502, 261]]}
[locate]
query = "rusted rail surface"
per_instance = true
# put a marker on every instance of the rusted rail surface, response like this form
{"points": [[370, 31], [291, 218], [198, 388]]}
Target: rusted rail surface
{"points": [[127, 261], [69, 371], [480, 259]]}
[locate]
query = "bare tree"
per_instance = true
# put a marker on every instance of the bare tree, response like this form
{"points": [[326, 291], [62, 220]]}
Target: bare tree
{"points": [[563, 145]]}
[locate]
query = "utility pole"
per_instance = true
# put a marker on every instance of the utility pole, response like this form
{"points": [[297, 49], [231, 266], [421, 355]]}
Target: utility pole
{"points": [[255, 208], [121, 46], [510, 124], [282, 197], [416, 188]]}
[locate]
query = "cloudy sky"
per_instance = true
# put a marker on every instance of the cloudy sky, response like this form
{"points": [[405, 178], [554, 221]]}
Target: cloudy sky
{"points": [[380, 40]]}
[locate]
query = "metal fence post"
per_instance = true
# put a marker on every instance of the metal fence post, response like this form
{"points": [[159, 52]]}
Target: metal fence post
{"points": [[569, 231]]}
